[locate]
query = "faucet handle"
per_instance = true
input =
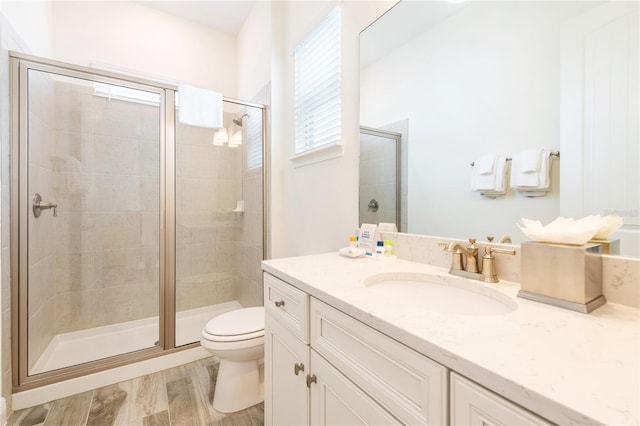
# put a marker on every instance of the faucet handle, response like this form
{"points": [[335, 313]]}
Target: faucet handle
{"points": [[490, 238]]}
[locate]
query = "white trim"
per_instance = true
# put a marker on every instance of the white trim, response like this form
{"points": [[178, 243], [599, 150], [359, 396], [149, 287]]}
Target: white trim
{"points": [[323, 153], [3, 411]]}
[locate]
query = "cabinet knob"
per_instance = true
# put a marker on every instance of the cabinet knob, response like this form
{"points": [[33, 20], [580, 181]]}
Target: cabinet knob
{"points": [[297, 368], [279, 303], [311, 379]]}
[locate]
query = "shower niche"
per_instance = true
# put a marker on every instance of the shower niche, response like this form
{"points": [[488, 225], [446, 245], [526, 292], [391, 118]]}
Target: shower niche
{"points": [[137, 241]]}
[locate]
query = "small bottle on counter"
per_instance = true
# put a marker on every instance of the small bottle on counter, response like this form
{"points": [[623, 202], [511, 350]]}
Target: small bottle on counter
{"points": [[388, 248], [379, 249], [352, 241]]}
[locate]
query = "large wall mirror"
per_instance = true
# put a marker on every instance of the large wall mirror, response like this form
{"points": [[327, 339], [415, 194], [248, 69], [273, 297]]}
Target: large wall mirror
{"points": [[500, 77]]}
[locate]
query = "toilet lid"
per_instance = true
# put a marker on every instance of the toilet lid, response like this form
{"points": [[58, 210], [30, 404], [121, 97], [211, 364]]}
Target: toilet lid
{"points": [[237, 322]]}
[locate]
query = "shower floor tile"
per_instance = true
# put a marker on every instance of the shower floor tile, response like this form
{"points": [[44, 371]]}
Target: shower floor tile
{"points": [[178, 396]]}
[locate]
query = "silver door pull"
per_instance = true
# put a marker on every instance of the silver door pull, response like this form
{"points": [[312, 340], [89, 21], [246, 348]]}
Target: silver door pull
{"points": [[39, 205]]}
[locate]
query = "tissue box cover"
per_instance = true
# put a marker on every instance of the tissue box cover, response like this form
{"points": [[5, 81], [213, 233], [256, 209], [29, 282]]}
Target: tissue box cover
{"points": [[567, 272]]}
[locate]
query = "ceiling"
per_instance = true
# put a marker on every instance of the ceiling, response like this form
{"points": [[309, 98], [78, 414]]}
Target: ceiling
{"points": [[226, 16]]}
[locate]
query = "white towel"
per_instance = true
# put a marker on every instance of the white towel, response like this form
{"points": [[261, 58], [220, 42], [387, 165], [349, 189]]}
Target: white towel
{"points": [[542, 177], [525, 170], [483, 175], [200, 107], [502, 171]]}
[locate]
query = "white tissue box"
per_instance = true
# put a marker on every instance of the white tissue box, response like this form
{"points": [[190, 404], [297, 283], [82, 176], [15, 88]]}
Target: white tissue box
{"points": [[568, 276]]}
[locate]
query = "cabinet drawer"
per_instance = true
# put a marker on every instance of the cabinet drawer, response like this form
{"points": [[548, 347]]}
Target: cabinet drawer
{"points": [[473, 405], [411, 386], [288, 304]]}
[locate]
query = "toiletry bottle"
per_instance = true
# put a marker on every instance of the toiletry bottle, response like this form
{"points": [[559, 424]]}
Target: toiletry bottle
{"points": [[379, 249], [352, 241], [388, 248]]}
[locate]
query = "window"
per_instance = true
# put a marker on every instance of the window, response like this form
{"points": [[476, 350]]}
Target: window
{"points": [[254, 140], [318, 87]]}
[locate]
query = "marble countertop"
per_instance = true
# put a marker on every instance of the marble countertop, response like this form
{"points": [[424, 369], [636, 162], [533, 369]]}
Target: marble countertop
{"points": [[567, 367]]}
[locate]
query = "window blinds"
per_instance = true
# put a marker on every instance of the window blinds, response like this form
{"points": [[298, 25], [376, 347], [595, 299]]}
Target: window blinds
{"points": [[318, 86]]}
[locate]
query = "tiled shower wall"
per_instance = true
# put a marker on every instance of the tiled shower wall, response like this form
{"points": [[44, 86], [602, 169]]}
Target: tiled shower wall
{"points": [[377, 178], [207, 190], [41, 247], [106, 184]]}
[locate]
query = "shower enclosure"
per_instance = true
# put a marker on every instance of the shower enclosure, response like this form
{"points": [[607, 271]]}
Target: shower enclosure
{"points": [[129, 230]]}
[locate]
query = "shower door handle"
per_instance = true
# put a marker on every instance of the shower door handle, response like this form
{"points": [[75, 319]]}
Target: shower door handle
{"points": [[39, 205]]}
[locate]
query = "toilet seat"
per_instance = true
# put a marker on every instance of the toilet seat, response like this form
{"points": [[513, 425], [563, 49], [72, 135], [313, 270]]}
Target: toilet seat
{"points": [[240, 325]]}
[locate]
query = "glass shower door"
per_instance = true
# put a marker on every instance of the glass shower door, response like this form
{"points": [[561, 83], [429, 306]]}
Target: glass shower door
{"points": [[90, 199]]}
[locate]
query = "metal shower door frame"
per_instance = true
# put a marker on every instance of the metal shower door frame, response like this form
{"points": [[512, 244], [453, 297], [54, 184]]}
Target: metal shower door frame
{"points": [[20, 207]]}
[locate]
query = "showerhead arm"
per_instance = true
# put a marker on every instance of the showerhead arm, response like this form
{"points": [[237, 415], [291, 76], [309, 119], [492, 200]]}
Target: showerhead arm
{"points": [[238, 121]]}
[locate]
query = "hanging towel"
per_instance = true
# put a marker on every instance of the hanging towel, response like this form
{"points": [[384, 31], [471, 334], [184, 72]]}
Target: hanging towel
{"points": [[525, 170], [502, 172], [200, 107], [542, 177], [483, 175]]}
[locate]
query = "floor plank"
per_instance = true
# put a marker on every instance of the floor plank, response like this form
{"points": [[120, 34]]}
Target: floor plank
{"points": [[70, 411], [148, 397], [109, 406], [157, 419], [178, 396]]}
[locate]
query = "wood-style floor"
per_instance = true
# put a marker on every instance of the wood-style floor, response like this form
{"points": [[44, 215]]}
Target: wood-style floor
{"points": [[180, 396]]}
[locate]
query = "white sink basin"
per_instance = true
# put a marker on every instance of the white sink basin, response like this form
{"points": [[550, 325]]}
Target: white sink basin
{"points": [[443, 294]]}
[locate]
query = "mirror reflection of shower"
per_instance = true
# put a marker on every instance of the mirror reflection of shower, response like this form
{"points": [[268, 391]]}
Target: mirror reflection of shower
{"points": [[381, 169]]}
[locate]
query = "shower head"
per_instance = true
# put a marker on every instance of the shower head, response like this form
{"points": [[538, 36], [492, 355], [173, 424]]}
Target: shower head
{"points": [[238, 121]]}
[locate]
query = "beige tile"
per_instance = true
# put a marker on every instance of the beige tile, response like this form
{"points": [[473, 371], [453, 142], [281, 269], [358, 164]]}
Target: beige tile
{"points": [[117, 118], [150, 193], [117, 193], [119, 267], [73, 112], [115, 155], [149, 123], [73, 152], [117, 230], [74, 232], [74, 271], [74, 311], [73, 192], [39, 288], [41, 331], [113, 305], [149, 158], [199, 161]]}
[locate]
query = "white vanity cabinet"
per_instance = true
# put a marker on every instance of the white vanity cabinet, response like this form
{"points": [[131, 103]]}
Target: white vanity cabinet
{"points": [[323, 367], [473, 405]]}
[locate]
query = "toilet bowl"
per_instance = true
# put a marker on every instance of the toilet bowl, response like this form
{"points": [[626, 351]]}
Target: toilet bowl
{"points": [[237, 338]]}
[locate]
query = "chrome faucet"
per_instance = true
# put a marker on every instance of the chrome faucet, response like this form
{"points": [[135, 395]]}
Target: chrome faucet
{"points": [[469, 268]]}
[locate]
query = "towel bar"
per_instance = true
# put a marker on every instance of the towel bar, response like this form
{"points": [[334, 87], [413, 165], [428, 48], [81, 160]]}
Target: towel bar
{"points": [[553, 154]]}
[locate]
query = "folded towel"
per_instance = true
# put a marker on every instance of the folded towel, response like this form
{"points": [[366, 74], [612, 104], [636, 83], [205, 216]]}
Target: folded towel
{"points": [[523, 181], [200, 107], [525, 169], [483, 175], [500, 186]]}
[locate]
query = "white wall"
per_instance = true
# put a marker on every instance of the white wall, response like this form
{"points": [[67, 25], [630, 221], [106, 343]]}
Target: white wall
{"points": [[143, 40], [254, 52], [33, 21], [315, 207], [484, 81]]}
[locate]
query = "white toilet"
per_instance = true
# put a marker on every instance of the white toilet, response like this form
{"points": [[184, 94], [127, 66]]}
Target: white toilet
{"points": [[237, 338]]}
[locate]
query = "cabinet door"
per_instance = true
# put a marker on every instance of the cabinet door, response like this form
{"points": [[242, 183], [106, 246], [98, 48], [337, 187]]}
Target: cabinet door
{"points": [[473, 405], [335, 400], [286, 396]]}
